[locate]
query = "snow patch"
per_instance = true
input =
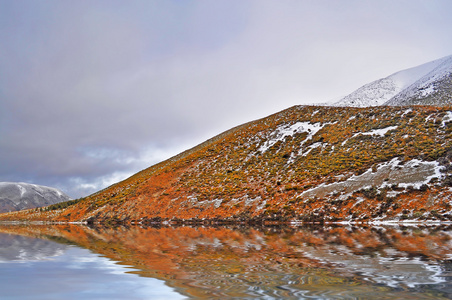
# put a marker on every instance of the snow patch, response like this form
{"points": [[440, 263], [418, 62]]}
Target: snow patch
{"points": [[284, 131], [447, 118], [22, 190], [215, 203], [414, 173], [360, 200], [248, 202], [261, 206], [406, 112], [415, 163], [381, 132], [427, 91], [313, 146]]}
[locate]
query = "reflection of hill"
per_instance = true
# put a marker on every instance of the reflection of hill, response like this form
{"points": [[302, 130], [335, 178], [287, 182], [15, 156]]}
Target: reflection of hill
{"points": [[317, 262], [13, 247]]}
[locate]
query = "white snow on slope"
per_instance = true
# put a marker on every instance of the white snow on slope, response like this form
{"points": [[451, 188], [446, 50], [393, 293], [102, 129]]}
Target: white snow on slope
{"points": [[21, 189], [283, 131], [380, 131], [425, 85], [413, 173], [447, 118], [383, 90], [313, 146]]}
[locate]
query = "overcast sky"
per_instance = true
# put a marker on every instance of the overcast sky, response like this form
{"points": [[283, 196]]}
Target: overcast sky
{"points": [[94, 91]]}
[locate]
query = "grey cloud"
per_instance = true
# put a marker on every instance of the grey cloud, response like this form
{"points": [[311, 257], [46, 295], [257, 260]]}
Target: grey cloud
{"points": [[89, 90]]}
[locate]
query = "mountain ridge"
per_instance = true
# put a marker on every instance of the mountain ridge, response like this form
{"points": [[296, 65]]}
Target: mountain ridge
{"points": [[414, 86]]}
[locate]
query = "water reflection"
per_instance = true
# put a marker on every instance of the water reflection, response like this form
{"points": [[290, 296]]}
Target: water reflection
{"points": [[19, 248], [32, 268], [308, 262]]}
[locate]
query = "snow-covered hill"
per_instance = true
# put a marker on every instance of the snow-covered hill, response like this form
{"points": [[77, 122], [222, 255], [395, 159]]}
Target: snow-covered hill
{"points": [[427, 84], [19, 195]]}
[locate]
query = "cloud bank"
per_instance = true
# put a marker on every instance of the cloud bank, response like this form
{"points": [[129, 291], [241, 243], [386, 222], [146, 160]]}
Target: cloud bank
{"points": [[93, 91]]}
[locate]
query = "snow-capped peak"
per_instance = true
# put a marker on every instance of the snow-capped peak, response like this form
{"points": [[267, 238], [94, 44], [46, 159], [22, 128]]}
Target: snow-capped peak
{"points": [[20, 195], [398, 85], [432, 82]]}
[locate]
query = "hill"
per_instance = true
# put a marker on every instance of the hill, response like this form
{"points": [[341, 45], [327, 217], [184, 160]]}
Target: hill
{"points": [[306, 163], [18, 196], [427, 84]]}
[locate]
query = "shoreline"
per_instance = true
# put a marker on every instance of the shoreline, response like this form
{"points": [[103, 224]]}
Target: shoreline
{"points": [[218, 223]]}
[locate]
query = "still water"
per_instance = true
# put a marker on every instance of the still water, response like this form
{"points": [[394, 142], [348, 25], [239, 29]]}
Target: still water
{"points": [[39, 269], [75, 262]]}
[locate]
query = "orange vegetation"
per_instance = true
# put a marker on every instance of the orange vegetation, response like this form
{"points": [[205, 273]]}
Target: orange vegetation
{"points": [[258, 171]]}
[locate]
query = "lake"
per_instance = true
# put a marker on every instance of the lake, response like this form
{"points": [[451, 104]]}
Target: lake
{"points": [[309, 262]]}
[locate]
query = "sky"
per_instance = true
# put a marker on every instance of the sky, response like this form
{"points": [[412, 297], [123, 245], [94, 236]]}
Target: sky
{"points": [[94, 91]]}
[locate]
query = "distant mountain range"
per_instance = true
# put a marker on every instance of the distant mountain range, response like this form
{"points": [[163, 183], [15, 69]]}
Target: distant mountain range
{"points": [[427, 84], [18, 195], [367, 158]]}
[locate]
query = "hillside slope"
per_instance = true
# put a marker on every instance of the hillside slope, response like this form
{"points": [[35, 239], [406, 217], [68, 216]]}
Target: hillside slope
{"points": [[18, 195], [305, 163], [427, 84]]}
